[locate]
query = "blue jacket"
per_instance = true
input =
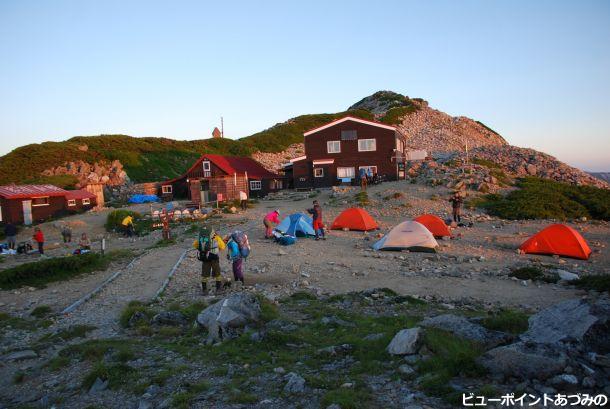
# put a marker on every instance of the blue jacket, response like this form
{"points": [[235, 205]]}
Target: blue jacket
{"points": [[234, 252]]}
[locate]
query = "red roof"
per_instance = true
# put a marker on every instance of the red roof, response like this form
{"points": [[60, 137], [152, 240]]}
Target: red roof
{"points": [[28, 191], [79, 194], [240, 164]]}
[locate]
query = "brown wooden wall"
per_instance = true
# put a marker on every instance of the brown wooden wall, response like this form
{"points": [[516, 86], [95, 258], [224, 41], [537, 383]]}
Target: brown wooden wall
{"points": [[316, 149], [12, 209]]}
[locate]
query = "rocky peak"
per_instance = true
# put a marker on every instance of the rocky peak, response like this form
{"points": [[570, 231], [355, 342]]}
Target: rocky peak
{"points": [[382, 101]]}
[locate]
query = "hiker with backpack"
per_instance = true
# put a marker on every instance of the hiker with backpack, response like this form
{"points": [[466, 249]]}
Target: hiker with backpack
{"points": [[209, 245], [238, 250]]}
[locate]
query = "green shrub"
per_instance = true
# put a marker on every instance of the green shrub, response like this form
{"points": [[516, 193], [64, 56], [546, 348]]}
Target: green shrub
{"points": [[535, 274], [40, 273], [362, 198], [394, 116], [545, 199], [599, 283], [131, 309], [514, 322], [41, 311]]}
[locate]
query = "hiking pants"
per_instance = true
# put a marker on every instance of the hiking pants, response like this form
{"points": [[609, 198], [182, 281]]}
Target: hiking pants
{"points": [[238, 273], [268, 228], [244, 205], [211, 269], [41, 247], [457, 215], [318, 227], [11, 240]]}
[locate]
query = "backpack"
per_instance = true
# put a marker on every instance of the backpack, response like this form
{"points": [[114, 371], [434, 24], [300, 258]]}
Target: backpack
{"points": [[243, 244], [205, 244]]}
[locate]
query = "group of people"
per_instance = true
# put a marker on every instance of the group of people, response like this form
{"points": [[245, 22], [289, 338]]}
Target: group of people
{"points": [[209, 244], [10, 232], [273, 218], [368, 177]]}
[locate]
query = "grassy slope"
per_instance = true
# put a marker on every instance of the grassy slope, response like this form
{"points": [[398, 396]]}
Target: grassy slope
{"points": [[151, 159]]}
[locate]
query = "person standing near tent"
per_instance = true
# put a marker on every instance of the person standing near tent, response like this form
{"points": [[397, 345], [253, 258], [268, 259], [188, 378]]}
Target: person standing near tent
{"points": [[10, 231], [456, 203], [209, 245], [318, 224], [243, 200], [269, 220], [39, 239]]}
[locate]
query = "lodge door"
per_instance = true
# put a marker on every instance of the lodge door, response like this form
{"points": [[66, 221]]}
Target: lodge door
{"points": [[27, 212]]}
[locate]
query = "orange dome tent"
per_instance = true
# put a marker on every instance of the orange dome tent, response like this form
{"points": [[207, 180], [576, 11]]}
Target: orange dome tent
{"points": [[557, 239], [355, 218], [435, 224]]}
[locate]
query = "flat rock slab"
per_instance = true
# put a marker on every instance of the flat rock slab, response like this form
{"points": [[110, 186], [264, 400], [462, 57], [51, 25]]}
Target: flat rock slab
{"points": [[524, 360], [21, 355], [406, 342], [462, 327], [564, 321]]}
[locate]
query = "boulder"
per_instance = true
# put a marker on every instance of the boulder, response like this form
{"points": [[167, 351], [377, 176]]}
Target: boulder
{"points": [[406, 342], [295, 384], [567, 276], [524, 360], [227, 318], [462, 327], [171, 318], [21, 355], [568, 320], [98, 386]]}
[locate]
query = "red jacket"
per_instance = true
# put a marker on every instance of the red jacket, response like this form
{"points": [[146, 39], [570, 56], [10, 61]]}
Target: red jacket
{"points": [[39, 237]]}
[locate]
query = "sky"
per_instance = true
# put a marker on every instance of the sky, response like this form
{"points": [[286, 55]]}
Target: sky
{"points": [[537, 72]]}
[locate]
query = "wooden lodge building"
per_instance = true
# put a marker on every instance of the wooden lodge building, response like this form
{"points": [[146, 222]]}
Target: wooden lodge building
{"points": [[217, 177], [25, 204], [336, 152]]}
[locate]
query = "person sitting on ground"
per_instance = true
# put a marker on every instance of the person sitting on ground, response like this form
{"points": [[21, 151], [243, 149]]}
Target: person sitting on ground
{"points": [[84, 243], [209, 245], [66, 233], [318, 224], [269, 220], [39, 239], [10, 232], [456, 203]]}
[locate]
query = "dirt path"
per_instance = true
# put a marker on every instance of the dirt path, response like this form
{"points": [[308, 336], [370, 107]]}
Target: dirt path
{"points": [[140, 282]]}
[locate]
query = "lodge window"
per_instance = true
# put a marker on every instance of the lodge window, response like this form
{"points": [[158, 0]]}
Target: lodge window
{"points": [[255, 185], [40, 201], [166, 189], [72, 202], [207, 169], [86, 201], [349, 135], [318, 172], [276, 184], [367, 145], [370, 170], [333, 146], [344, 173]]}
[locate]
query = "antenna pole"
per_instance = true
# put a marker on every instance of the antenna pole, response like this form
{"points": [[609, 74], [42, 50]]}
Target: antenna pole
{"points": [[222, 128]]}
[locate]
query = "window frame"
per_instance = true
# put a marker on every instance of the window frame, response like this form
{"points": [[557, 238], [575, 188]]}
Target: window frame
{"points": [[209, 166], [86, 201], [346, 167], [328, 145], [47, 203], [315, 175], [71, 202], [167, 189], [369, 167], [254, 183], [352, 136], [367, 140]]}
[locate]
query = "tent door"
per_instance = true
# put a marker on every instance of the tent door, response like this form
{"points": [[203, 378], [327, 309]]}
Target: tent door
{"points": [[27, 212]]}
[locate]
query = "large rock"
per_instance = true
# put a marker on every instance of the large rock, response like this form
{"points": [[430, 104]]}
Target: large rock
{"points": [[227, 318], [406, 342], [171, 318], [568, 320], [295, 384], [462, 327], [524, 360]]}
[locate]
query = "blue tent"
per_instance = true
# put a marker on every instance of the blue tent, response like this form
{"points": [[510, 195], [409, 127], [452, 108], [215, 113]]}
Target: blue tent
{"points": [[298, 225]]}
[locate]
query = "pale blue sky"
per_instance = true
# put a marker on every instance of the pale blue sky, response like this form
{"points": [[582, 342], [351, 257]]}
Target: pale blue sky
{"points": [[538, 72]]}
